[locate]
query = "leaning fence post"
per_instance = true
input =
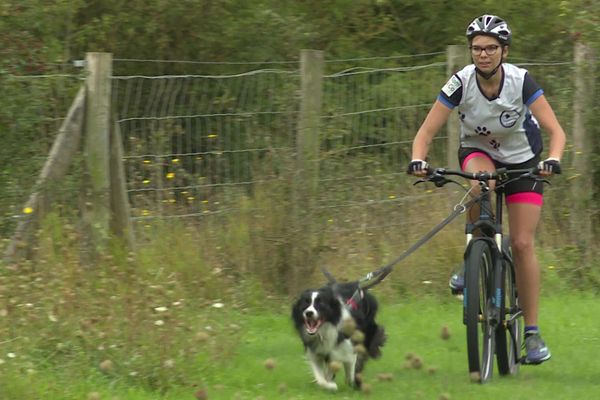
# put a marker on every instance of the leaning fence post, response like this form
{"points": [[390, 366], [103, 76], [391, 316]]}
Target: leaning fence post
{"points": [[457, 57], [97, 146], [64, 148]]}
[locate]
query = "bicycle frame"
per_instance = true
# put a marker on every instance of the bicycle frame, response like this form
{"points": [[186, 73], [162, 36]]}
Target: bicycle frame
{"points": [[487, 257], [491, 228]]}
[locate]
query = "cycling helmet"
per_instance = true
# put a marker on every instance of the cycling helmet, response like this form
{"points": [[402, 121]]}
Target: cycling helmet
{"points": [[490, 25]]}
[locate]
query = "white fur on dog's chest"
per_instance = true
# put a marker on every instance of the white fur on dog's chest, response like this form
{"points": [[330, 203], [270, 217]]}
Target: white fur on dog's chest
{"points": [[325, 344]]}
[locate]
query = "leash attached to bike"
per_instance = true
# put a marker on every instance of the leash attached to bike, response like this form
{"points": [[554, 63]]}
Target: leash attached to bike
{"points": [[375, 277]]}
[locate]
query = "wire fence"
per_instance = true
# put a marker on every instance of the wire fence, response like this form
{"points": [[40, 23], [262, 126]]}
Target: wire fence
{"points": [[32, 112], [192, 136], [198, 145]]}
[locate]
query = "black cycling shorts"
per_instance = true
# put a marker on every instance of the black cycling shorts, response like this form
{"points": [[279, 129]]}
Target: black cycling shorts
{"points": [[524, 190]]}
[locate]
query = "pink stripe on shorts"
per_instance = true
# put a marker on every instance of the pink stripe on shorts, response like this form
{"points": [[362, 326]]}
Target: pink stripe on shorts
{"points": [[525, 197], [473, 155]]}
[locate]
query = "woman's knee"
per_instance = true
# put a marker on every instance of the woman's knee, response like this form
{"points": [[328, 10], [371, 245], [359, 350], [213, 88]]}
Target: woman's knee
{"points": [[522, 244]]}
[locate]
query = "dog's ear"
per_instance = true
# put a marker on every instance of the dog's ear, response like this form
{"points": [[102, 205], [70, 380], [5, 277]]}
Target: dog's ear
{"points": [[297, 305], [303, 299]]}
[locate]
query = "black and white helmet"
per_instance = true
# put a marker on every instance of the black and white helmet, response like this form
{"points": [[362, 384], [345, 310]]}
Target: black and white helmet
{"points": [[490, 25]]}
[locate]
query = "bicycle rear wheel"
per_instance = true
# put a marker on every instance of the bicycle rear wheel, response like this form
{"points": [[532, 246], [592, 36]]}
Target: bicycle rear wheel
{"points": [[509, 334], [480, 331]]}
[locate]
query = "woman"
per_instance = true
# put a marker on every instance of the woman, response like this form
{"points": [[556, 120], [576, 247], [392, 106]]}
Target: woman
{"points": [[499, 106]]}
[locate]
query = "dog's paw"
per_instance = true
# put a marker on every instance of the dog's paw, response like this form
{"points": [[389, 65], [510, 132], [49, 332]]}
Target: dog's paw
{"points": [[357, 382], [378, 340], [328, 385]]}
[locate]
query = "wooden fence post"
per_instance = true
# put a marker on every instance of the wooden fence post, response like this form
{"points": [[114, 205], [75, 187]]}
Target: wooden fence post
{"points": [[458, 56], [580, 221], [311, 71], [305, 187], [97, 146]]}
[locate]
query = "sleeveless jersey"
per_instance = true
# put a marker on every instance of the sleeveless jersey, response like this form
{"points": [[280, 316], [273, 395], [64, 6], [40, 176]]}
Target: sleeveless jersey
{"points": [[503, 126]]}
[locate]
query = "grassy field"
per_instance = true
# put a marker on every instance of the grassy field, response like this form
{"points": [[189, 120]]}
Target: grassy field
{"points": [[235, 363]]}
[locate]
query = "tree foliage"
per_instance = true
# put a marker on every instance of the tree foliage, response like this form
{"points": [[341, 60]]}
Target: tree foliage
{"points": [[37, 31]]}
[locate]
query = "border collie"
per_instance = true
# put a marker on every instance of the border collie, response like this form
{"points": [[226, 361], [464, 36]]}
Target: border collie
{"points": [[337, 331]]}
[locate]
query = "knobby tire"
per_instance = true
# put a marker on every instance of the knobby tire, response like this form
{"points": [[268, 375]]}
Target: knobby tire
{"points": [[480, 332], [509, 334]]}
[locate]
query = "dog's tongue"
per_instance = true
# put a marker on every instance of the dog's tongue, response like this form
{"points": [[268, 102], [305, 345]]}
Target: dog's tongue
{"points": [[312, 326]]}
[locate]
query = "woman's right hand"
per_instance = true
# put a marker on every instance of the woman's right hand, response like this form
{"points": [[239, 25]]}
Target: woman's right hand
{"points": [[417, 167]]}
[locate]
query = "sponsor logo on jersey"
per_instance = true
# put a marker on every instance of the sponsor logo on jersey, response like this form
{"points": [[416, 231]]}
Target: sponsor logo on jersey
{"points": [[451, 86], [509, 118]]}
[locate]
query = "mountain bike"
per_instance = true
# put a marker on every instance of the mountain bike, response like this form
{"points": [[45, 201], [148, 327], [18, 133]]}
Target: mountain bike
{"points": [[491, 309]]}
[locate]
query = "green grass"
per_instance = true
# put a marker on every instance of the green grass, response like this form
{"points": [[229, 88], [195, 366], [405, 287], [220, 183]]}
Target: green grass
{"points": [[237, 370], [414, 327]]}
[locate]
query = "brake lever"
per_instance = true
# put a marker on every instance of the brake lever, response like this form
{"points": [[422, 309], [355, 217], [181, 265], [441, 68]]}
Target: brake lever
{"points": [[437, 180], [536, 178]]}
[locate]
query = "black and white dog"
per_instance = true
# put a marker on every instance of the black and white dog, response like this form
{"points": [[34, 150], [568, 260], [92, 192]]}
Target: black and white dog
{"points": [[336, 330]]}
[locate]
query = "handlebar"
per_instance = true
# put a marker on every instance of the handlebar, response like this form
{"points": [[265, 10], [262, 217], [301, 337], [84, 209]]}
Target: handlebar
{"points": [[438, 175]]}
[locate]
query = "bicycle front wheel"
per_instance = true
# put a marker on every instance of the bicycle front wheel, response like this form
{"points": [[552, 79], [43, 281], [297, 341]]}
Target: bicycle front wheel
{"points": [[480, 331], [509, 334]]}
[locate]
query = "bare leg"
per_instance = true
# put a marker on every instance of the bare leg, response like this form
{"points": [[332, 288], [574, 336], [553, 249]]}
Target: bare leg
{"points": [[523, 220]]}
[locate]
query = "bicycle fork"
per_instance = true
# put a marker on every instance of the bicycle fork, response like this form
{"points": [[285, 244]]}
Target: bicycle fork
{"points": [[495, 290], [493, 285]]}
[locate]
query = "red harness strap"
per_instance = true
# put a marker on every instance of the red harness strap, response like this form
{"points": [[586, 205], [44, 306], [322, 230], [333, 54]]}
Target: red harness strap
{"points": [[353, 301]]}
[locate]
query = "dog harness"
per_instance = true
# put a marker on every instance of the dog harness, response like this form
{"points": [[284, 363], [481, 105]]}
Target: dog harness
{"points": [[352, 302]]}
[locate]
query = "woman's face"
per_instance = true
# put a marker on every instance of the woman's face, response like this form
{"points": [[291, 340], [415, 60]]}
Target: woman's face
{"points": [[481, 47]]}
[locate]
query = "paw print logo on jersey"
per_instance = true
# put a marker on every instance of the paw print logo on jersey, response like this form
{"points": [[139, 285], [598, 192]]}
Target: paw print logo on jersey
{"points": [[495, 144], [482, 130], [461, 116]]}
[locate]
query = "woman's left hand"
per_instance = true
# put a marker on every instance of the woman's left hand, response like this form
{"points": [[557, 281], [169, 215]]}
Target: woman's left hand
{"points": [[549, 166]]}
